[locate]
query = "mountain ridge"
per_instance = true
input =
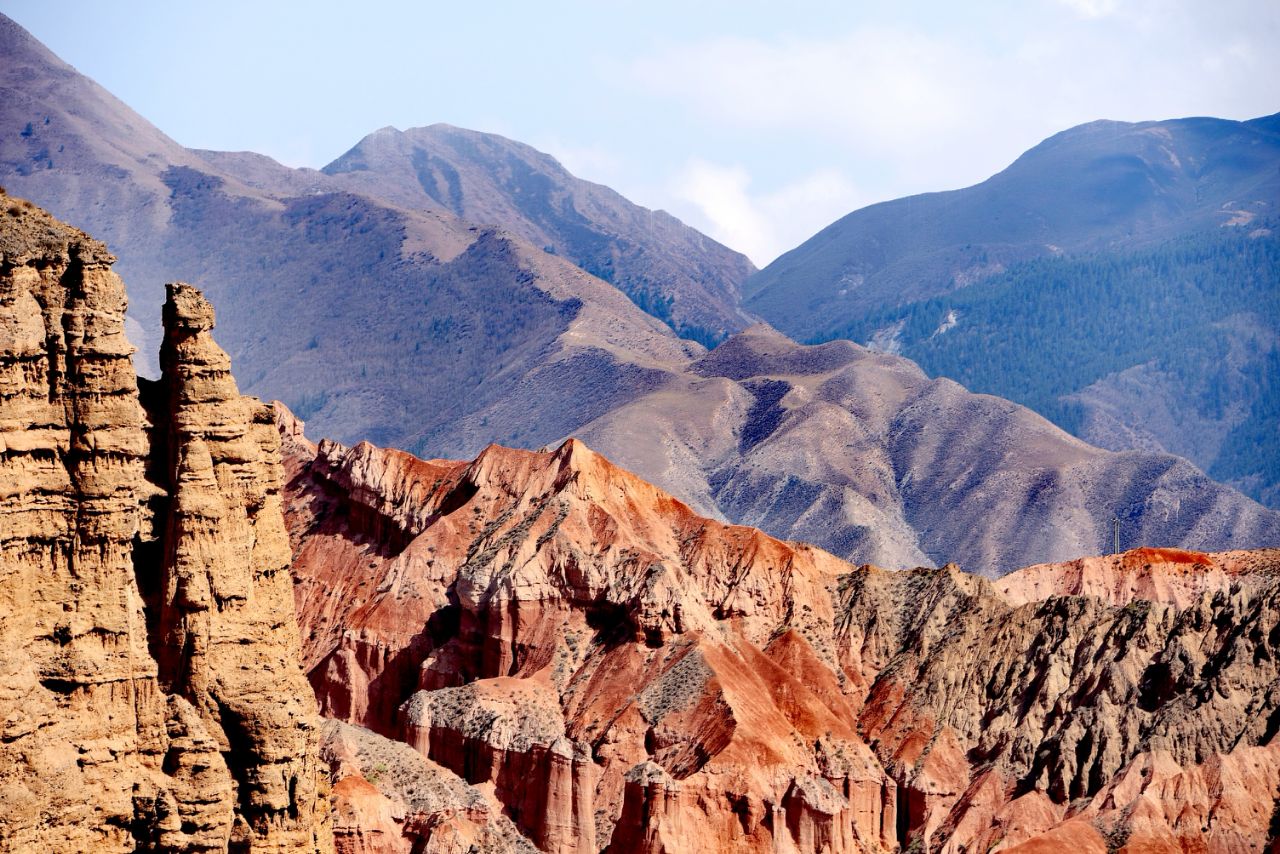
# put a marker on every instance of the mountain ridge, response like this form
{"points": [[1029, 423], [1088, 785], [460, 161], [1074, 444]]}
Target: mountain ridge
{"points": [[1144, 156], [691, 284], [1152, 242], [698, 686], [417, 329]]}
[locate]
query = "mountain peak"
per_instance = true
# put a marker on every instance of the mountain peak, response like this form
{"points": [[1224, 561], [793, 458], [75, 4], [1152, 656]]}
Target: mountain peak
{"points": [[672, 272]]}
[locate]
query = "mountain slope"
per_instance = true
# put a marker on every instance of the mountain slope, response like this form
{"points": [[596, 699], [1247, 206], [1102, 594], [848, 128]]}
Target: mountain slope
{"points": [[627, 676], [672, 271], [1172, 347], [373, 295], [1095, 186], [419, 330], [863, 454], [1153, 244]]}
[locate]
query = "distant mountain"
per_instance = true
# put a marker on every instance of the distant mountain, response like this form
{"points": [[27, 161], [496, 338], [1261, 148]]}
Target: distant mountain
{"points": [[376, 321], [861, 453], [417, 329], [1154, 246], [673, 272], [1098, 186]]}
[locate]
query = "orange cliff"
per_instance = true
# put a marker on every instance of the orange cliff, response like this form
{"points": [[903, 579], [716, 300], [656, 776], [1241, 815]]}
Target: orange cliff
{"points": [[613, 672], [550, 617], [150, 690], [1170, 576]]}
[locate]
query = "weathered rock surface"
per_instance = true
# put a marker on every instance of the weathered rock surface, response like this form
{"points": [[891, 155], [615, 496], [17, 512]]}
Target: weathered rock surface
{"points": [[389, 799], [549, 626], [1169, 576], [695, 686], [984, 708], [152, 697]]}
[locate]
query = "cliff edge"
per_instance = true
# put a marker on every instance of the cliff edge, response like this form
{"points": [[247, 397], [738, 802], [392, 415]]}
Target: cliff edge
{"points": [[150, 692]]}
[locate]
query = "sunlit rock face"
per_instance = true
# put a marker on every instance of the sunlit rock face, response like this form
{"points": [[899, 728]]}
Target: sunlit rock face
{"points": [[615, 672], [152, 697]]}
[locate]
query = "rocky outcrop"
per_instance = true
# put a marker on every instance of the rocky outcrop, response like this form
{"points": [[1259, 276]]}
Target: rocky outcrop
{"points": [[579, 643], [548, 626], [151, 695], [510, 733], [389, 799], [1169, 576], [994, 713]]}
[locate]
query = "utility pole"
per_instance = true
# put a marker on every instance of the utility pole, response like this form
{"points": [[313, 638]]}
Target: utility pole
{"points": [[1115, 526]]}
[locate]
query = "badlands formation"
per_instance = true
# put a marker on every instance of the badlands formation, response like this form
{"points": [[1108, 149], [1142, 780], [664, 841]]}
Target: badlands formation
{"points": [[539, 651], [617, 673], [150, 693]]}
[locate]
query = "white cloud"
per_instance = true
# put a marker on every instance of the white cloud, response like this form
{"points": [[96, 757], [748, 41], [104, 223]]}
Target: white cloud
{"points": [[719, 200], [589, 162], [873, 87], [905, 109]]}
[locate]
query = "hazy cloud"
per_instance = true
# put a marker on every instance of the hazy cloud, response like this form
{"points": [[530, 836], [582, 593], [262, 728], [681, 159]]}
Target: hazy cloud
{"points": [[908, 110], [720, 201], [1091, 8], [590, 162]]}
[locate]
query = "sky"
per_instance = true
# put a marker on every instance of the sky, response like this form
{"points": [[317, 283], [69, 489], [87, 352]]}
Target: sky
{"points": [[757, 122]]}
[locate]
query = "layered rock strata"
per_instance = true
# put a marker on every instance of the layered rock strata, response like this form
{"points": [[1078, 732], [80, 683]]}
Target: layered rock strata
{"points": [[1008, 721], [567, 636], [392, 800], [578, 642], [150, 694]]}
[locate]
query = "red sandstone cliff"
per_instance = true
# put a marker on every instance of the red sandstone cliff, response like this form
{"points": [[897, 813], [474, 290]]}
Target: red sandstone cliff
{"points": [[619, 674], [150, 693], [579, 643]]}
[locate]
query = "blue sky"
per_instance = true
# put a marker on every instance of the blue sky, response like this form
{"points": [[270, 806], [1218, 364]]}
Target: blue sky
{"points": [[758, 122]]}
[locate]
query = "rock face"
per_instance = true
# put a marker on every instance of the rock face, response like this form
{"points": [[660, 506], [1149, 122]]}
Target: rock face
{"points": [[618, 671], [581, 645], [1069, 715], [392, 800], [151, 695]]}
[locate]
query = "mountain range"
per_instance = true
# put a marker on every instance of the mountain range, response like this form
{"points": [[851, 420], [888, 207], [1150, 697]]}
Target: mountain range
{"points": [[622, 675], [539, 651], [364, 302], [1122, 279], [217, 635]]}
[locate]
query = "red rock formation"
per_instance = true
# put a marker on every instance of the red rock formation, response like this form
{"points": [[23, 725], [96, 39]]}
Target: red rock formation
{"points": [[102, 747], [391, 800], [1171, 576], [550, 617], [579, 644]]}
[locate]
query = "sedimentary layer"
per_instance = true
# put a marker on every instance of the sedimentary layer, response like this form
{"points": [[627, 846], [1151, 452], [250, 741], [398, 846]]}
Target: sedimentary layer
{"points": [[582, 645], [151, 695]]}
